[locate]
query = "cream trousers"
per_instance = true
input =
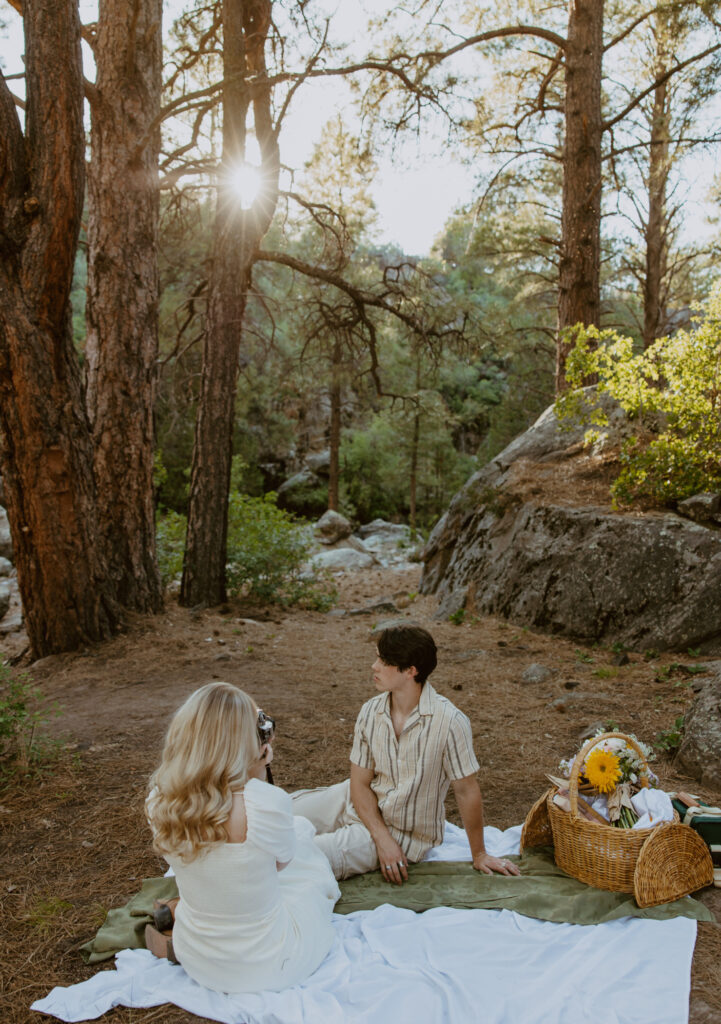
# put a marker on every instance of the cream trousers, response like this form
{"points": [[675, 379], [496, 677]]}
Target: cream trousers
{"points": [[341, 835]]}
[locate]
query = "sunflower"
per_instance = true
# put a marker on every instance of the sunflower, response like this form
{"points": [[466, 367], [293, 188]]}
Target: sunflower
{"points": [[603, 770]]}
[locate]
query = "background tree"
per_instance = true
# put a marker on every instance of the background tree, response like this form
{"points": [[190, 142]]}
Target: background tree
{"points": [[645, 160], [122, 290], [237, 233], [46, 450]]}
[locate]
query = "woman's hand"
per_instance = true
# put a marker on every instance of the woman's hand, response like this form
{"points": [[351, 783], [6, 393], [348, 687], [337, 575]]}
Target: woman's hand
{"points": [[258, 769]]}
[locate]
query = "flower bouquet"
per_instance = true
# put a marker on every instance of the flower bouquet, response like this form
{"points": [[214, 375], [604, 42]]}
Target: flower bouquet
{"points": [[610, 775]]}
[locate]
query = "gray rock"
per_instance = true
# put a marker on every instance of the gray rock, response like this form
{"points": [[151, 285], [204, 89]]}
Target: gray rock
{"points": [[571, 700], [304, 493], [702, 508], [591, 730], [6, 542], [391, 542], [342, 559], [536, 673], [700, 750], [6, 567], [11, 622], [332, 527], [646, 580], [380, 527], [385, 604], [318, 462], [303, 479], [5, 594]]}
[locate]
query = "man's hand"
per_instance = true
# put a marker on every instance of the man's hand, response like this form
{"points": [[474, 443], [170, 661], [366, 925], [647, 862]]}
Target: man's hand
{"points": [[393, 861], [488, 865]]}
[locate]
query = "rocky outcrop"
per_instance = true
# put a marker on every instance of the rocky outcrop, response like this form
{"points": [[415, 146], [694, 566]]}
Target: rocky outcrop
{"points": [[700, 750], [532, 537]]}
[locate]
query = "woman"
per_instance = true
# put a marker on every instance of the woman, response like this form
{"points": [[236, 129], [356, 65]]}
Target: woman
{"points": [[256, 895]]}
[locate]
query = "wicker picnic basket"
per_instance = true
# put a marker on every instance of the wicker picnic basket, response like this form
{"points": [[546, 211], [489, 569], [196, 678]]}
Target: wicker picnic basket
{"points": [[655, 864]]}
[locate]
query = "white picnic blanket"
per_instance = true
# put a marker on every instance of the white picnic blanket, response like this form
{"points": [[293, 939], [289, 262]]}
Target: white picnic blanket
{"points": [[445, 966]]}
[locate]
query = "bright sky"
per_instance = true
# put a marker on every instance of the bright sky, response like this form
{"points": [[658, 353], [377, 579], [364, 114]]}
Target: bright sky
{"points": [[418, 187], [415, 191]]}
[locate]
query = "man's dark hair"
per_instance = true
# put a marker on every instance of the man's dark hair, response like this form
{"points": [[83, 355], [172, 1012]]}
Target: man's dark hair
{"points": [[405, 646]]}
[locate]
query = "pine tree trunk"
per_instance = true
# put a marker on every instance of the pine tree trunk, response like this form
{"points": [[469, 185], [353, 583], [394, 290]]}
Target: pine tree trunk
{"points": [[579, 299], [122, 307], [415, 442], [654, 315], [334, 438], [47, 461], [237, 235]]}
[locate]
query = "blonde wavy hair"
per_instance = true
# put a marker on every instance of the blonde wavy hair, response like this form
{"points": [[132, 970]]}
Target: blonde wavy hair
{"points": [[211, 742]]}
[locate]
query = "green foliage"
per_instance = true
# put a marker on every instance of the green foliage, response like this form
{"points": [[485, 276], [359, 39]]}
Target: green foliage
{"points": [[458, 617], [45, 913], [267, 549], [267, 552], [376, 463], [170, 530], [605, 672], [21, 717], [669, 740], [673, 390]]}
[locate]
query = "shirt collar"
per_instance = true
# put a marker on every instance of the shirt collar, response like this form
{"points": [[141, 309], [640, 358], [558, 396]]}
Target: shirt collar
{"points": [[424, 706]]}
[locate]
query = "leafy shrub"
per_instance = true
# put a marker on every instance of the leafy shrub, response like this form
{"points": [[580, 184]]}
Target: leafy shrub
{"points": [[670, 739], [266, 555], [267, 549], [21, 718], [170, 530], [675, 382]]}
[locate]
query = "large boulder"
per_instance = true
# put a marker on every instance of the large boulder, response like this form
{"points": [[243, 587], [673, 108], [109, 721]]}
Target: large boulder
{"points": [[700, 750], [304, 493], [532, 537], [342, 559], [332, 527], [390, 542]]}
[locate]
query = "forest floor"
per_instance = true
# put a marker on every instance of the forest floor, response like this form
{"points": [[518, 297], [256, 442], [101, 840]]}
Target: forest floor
{"points": [[73, 840]]}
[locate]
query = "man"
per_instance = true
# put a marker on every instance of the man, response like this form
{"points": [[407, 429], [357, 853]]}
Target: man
{"points": [[409, 746]]}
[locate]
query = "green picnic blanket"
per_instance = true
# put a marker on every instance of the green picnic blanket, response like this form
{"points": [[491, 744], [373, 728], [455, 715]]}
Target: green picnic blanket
{"points": [[542, 891]]}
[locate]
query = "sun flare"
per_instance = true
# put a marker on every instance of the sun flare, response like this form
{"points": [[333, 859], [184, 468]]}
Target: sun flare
{"points": [[246, 182]]}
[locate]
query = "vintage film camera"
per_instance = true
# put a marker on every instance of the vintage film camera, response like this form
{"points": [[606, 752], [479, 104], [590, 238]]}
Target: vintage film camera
{"points": [[266, 732], [266, 727]]}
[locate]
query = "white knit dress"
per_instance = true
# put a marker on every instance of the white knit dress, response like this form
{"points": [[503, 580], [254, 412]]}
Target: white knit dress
{"points": [[242, 925]]}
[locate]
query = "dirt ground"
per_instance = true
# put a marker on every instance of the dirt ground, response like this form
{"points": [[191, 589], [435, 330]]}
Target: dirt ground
{"points": [[73, 841]]}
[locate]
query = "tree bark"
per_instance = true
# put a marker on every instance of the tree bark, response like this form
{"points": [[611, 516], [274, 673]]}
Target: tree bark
{"points": [[237, 235], [122, 305], [45, 439], [334, 433], [579, 299], [656, 238], [415, 444]]}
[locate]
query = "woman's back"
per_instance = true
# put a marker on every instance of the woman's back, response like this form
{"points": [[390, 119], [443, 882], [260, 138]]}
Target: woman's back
{"points": [[242, 925]]}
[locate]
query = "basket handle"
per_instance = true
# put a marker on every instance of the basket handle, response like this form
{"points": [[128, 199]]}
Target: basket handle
{"points": [[581, 757]]}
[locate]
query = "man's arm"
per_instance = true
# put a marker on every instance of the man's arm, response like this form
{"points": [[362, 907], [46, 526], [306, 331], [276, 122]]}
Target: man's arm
{"points": [[393, 862], [470, 805]]}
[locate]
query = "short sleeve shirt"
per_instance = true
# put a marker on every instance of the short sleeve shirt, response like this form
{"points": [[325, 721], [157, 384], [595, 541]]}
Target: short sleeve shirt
{"points": [[412, 773]]}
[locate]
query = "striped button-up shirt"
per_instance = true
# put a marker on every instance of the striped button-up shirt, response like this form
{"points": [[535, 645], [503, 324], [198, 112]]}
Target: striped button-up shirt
{"points": [[412, 773]]}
